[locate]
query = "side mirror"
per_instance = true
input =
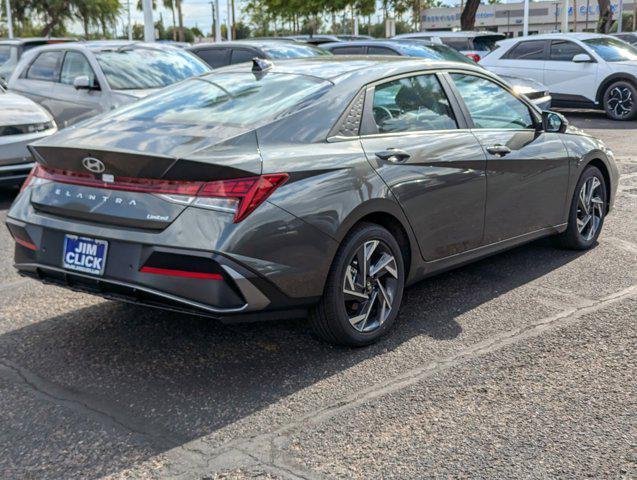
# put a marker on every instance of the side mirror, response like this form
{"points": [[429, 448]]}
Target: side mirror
{"points": [[82, 83], [582, 58], [554, 122]]}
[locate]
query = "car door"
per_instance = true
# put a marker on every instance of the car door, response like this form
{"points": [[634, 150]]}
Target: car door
{"points": [[39, 80], [75, 104], [525, 59], [432, 163], [566, 79], [527, 169]]}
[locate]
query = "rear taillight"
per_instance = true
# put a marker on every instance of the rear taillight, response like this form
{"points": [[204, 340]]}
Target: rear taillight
{"points": [[473, 56], [240, 196]]}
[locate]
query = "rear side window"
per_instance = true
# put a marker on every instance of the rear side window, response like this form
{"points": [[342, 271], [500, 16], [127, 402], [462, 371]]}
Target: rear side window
{"points": [[564, 51], [532, 50], [46, 67], [412, 104], [348, 50], [215, 57], [490, 105], [232, 99], [486, 42], [459, 43], [240, 55], [381, 51]]}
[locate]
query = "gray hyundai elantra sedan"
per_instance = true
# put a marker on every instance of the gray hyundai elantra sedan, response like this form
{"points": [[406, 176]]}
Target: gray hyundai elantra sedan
{"points": [[317, 186]]}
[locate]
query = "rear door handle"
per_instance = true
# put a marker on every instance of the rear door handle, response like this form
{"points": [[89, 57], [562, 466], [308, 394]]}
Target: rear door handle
{"points": [[393, 155], [499, 150]]}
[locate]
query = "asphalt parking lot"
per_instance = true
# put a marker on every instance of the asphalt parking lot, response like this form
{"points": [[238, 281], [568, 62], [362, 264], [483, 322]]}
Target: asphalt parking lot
{"points": [[519, 366]]}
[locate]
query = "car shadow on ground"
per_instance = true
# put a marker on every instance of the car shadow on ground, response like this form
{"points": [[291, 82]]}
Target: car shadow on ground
{"points": [[193, 376]]}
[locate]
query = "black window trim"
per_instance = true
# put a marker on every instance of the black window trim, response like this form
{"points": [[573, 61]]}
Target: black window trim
{"points": [[25, 73], [507, 55], [534, 111]]}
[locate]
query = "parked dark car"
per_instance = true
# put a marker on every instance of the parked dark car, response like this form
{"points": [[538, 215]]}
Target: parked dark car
{"points": [[228, 53], [11, 50], [629, 37], [533, 90], [321, 185]]}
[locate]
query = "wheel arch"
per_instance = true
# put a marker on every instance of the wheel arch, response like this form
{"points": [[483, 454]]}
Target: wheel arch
{"points": [[599, 163], [388, 215], [599, 97]]}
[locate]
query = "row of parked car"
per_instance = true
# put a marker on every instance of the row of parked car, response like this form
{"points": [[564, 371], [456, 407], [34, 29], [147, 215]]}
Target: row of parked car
{"points": [[55, 83]]}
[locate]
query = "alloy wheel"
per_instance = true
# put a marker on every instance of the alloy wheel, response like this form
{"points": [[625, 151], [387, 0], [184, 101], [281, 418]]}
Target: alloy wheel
{"points": [[369, 286], [590, 208], [620, 101]]}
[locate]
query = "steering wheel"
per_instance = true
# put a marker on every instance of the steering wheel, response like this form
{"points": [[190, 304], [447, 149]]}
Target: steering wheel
{"points": [[381, 114]]}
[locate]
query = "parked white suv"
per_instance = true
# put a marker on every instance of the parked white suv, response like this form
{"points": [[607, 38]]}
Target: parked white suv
{"points": [[581, 70], [475, 45]]}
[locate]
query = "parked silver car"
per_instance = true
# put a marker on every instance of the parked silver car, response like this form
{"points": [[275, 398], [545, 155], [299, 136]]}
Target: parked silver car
{"points": [[21, 123], [75, 81]]}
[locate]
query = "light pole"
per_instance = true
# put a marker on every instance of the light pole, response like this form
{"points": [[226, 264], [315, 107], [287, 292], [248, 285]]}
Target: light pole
{"points": [[217, 23], [149, 28], [619, 15], [525, 30], [565, 17], [7, 6], [130, 27]]}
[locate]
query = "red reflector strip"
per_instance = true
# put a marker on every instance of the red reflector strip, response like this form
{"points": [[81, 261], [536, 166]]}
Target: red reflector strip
{"points": [[25, 244], [181, 273]]}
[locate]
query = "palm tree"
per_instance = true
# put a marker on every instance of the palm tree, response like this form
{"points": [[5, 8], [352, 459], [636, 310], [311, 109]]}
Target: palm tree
{"points": [[170, 5]]}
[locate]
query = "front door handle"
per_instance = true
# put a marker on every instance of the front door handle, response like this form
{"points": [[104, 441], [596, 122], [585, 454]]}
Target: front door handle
{"points": [[393, 155], [499, 150]]}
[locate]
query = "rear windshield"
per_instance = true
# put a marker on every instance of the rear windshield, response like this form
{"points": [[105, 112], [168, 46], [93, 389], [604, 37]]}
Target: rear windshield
{"points": [[142, 68], [486, 42], [291, 50], [235, 99], [435, 52]]}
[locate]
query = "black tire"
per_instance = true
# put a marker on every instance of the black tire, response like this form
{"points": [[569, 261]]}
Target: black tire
{"points": [[330, 318], [620, 100], [572, 238]]}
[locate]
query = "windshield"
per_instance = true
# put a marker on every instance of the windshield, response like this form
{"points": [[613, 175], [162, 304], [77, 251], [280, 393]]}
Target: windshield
{"points": [[141, 68], [235, 99], [435, 52], [291, 50], [611, 49]]}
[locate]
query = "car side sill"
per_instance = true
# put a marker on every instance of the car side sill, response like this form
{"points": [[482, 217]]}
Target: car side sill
{"points": [[453, 261]]}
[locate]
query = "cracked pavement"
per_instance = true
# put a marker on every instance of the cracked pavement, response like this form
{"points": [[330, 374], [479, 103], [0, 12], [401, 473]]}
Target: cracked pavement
{"points": [[518, 366]]}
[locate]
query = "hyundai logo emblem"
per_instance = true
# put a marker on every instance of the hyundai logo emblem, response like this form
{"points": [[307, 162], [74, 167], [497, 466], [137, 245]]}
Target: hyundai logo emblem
{"points": [[93, 165]]}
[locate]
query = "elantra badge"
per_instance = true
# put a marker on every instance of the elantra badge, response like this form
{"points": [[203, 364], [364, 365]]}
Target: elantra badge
{"points": [[93, 164]]}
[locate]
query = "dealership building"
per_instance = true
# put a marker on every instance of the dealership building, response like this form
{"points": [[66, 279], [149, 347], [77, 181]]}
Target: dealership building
{"points": [[544, 17]]}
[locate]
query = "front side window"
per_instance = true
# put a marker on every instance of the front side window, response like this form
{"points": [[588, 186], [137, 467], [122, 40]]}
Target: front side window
{"points": [[46, 67], [241, 55], [412, 104], [141, 68], [348, 50], [381, 51], [532, 50], [490, 105], [293, 50], [76, 65], [611, 49], [564, 51], [233, 99]]}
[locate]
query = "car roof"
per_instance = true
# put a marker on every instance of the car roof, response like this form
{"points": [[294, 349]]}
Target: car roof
{"points": [[105, 45], [450, 33], [384, 43], [257, 43], [367, 67], [552, 36], [26, 41]]}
